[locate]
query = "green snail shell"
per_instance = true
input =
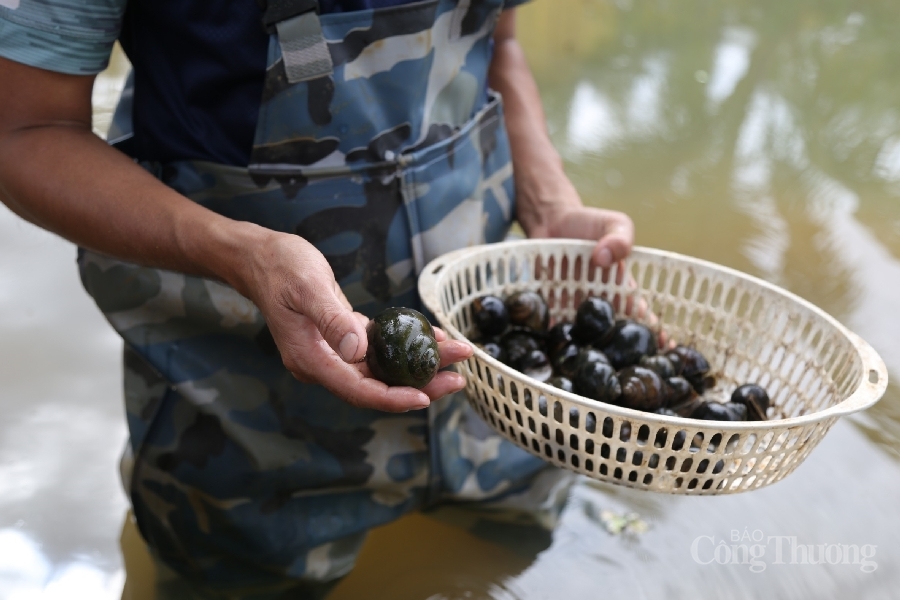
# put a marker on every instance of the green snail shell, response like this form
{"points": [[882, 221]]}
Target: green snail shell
{"points": [[402, 348]]}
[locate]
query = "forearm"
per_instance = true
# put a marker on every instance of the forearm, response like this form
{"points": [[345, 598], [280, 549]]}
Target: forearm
{"points": [[63, 178], [542, 186], [547, 204]]}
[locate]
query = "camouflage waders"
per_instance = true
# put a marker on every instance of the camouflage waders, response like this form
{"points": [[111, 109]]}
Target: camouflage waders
{"points": [[379, 142]]}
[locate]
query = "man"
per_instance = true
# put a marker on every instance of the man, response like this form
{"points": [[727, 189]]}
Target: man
{"points": [[286, 171]]}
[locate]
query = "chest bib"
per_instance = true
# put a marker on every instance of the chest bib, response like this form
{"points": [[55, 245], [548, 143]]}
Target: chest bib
{"points": [[379, 141]]}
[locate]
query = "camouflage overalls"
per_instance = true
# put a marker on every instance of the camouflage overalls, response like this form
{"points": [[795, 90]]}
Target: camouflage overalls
{"points": [[390, 153]]}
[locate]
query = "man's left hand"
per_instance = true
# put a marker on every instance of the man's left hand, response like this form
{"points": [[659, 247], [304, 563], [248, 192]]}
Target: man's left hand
{"points": [[613, 230]]}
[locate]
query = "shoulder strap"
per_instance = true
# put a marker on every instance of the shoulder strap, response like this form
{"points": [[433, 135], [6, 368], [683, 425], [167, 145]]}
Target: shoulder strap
{"points": [[275, 11], [303, 46]]}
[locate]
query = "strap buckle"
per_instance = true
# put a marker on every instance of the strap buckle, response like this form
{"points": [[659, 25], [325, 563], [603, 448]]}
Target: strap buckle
{"points": [[303, 47]]}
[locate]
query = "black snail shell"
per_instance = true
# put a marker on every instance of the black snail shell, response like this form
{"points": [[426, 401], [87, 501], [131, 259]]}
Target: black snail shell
{"points": [[535, 364], [686, 406], [493, 349], [630, 341], [563, 383], [716, 411], [594, 322], [755, 398], [597, 380], [660, 365], [692, 362], [576, 358], [490, 315], [558, 338], [679, 390], [517, 343], [666, 412], [528, 309], [642, 389], [693, 366], [590, 355], [402, 348], [566, 360]]}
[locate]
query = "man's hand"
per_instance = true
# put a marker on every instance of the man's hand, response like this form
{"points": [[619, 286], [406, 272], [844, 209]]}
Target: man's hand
{"points": [[320, 338], [613, 230]]}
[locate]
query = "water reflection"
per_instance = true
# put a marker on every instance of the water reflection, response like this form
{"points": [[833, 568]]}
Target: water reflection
{"points": [[763, 136], [62, 426], [26, 573], [732, 58]]}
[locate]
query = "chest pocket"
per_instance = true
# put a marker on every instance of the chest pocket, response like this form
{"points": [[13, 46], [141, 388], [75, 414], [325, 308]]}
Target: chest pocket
{"points": [[402, 134]]}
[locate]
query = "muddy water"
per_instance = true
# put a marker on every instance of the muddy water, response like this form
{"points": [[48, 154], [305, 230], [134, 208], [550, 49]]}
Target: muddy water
{"points": [[761, 135]]}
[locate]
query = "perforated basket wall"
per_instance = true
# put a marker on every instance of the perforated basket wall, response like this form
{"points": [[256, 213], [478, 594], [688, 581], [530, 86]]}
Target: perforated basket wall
{"points": [[814, 369]]}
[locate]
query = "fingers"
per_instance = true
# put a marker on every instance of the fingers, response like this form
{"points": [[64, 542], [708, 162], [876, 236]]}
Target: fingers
{"points": [[620, 272], [665, 343], [356, 386], [354, 383], [373, 394], [343, 329], [453, 351], [445, 382], [363, 319], [364, 392], [613, 231], [356, 389], [292, 276], [615, 241]]}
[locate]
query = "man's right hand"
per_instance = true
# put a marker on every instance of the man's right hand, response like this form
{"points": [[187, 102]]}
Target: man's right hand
{"points": [[320, 338]]}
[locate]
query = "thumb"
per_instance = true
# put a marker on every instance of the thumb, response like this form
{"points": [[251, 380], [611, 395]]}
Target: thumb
{"points": [[341, 329], [313, 292], [339, 326], [616, 239]]}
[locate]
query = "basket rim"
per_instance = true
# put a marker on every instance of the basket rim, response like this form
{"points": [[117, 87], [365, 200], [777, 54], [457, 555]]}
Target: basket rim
{"points": [[866, 393]]}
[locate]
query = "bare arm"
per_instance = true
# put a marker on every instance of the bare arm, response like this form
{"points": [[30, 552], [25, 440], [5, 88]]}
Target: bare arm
{"points": [[547, 203], [57, 174]]}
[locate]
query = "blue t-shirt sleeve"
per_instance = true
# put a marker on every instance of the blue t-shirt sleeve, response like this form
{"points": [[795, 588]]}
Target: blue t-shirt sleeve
{"points": [[67, 36]]}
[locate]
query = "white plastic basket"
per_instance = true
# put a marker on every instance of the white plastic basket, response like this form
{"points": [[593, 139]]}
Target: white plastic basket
{"points": [[751, 331]]}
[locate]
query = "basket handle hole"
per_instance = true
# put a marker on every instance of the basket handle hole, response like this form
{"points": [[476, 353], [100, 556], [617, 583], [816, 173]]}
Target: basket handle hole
{"points": [[437, 269], [873, 376]]}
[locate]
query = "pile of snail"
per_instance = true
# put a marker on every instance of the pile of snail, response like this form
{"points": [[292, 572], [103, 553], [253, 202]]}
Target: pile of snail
{"points": [[617, 361]]}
